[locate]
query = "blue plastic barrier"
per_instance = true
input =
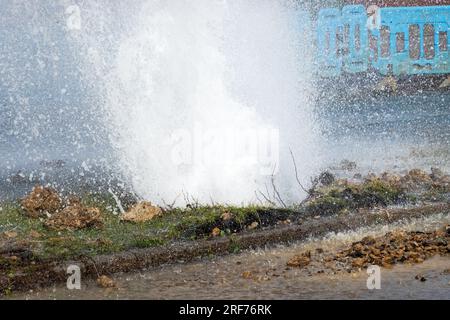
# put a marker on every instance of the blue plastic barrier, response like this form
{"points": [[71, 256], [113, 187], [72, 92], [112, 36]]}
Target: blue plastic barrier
{"points": [[408, 41], [410, 50], [354, 19], [342, 40], [329, 62]]}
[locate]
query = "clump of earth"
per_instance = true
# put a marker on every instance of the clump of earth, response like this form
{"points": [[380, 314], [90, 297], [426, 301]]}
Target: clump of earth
{"points": [[59, 214]]}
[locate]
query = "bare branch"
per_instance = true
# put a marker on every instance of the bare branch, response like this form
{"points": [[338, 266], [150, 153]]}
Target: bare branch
{"points": [[275, 190], [267, 199], [257, 198], [296, 173], [172, 205]]}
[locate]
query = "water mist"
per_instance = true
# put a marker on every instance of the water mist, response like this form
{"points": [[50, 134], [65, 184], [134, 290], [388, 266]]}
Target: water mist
{"points": [[204, 100]]}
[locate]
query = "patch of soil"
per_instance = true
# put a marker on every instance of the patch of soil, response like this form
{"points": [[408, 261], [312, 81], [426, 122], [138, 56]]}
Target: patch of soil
{"points": [[75, 217], [42, 201]]}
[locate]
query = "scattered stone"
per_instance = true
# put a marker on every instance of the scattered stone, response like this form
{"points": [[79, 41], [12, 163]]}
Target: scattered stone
{"points": [[53, 164], [445, 83], [74, 218], [216, 232], [387, 84], [226, 216], [42, 201], [357, 176], [370, 177], [34, 234], [106, 282], [421, 278], [348, 165], [386, 251], [436, 174], [253, 225], [416, 178], [18, 178], [10, 234], [326, 178], [141, 212], [391, 179], [300, 261]]}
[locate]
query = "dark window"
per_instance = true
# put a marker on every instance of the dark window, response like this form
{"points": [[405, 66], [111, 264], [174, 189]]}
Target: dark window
{"points": [[414, 41], [327, 43], [345, 40], [357, 37], [340, 46], [443, 41], [400, 41], [428, 41], [373, 45], [385, 35]]}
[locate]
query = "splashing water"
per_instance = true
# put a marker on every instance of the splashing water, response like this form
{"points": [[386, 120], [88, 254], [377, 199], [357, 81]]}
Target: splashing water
{"points": [[205, 99], [187, 101]]}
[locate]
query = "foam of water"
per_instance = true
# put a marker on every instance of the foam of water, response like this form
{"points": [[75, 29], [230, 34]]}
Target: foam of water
{"points": [[204, 98]]}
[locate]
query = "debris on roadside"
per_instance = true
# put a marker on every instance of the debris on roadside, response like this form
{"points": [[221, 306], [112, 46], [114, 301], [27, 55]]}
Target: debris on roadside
{"points": [[106, 282], [75, 217], [386, 251], [142, 212], [42, 201]]}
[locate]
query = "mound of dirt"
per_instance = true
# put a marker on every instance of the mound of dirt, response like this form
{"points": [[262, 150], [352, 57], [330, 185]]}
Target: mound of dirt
{"points": [[42, 201], [75, 217]]}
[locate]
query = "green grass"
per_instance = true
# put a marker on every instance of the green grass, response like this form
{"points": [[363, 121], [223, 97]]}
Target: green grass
{"points": [[192, 222], [116, 236]]}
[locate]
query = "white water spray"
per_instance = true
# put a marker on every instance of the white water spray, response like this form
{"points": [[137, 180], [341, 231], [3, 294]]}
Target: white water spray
{"points": [[204, 98]]}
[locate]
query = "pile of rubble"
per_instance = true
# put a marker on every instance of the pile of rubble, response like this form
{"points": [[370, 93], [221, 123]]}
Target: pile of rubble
{"points": [[386, 251]]}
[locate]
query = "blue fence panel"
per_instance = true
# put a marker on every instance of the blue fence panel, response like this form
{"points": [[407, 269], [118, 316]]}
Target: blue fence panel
{"points": [[354, 19], [329, 21], [414, 40], [409, 40]]}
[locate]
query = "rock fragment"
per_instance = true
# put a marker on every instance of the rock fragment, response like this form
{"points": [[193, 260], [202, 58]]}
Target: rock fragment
{"points": [[142, 212], [106, 282], [300, 261]]}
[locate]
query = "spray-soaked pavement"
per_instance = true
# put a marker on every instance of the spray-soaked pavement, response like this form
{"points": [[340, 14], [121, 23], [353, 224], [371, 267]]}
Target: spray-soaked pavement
{"points": [[269, 278], [392, 133]]}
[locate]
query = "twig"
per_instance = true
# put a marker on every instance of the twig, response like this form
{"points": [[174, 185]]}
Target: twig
{"points": [[257, 198], [267, 199], [276, 193], [296, 173], [172, 205]]}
